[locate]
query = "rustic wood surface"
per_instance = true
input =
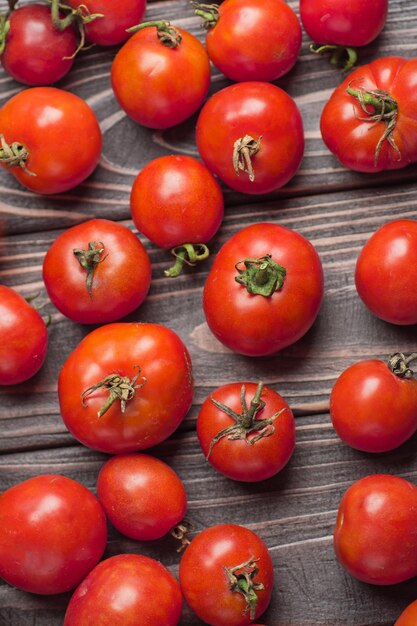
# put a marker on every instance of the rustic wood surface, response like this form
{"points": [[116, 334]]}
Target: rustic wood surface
{"points": [[337, 210]]}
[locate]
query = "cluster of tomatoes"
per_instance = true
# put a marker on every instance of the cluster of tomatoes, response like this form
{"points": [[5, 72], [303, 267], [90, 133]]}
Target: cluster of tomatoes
{"points": [[127, 386]]}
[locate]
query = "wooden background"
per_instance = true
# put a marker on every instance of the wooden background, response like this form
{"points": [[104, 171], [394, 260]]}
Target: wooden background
{"points": [[337, 210]]}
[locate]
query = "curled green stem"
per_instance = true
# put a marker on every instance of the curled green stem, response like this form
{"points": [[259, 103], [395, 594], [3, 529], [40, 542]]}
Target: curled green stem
{"points": [[14, 154], [398, 364], [343, 57], [189, 254], [241, 580], [78, 17], [244, 149], [167, 34], [209, 13], [4, 30], [119, 387], [261, 276], [89, 260]]}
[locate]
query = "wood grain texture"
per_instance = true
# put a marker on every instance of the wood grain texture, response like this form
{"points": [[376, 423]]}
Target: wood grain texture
{"points": [[337, 210]]}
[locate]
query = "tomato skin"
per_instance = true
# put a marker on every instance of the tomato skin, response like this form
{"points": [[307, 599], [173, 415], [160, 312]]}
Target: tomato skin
{"points": [[158, 86], [23, 338], [52, 533], [157, 407], [254, 39], [386, 272], [256, 325], [235, 458], [154, 596], [353, 23], [372, 409], [204, 582], [184, 195], [375, 537], [121, 279], [250, 108], [118, 16], [409, 616], [41, 118], [141, 495], [354, 141], [37, 53]]}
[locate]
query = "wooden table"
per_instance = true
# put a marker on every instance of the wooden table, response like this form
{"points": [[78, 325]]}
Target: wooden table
{"points": [[337, 210]]}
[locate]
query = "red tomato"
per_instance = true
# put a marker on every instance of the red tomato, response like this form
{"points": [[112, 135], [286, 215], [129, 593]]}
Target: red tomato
{"points": [[375, 538], [353, 23], [215, 569], [23, 338], [161, 76], [246, 431], [126, 590], [264, 289], [52, 533], [253, 149], [373, 405], [115, 18], [409, 616], [35, 52], [188, 201], [38, 143], [142, 496], [369, 122], [252, 39], [97, 272], [386, 272], [126, 387]]}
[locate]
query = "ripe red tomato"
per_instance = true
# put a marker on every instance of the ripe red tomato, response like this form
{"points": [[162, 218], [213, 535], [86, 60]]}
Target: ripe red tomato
{"points": [[252, 39], [23, 338], [369, 121], [353, 23], [373, 405], [52, 533], [246, 431], [161, 76], [227, 575], [253, 149], [386, 272], [409, 616], [97, 272], [38, 143], [141, 495], [264, 289], [126, 387], [35, 51], [375, 538], [115, 18], [188, 201], [128, 589]]}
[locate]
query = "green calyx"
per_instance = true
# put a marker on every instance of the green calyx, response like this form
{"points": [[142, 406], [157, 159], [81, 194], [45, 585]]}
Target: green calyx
{"points": [[261, 276], [78, 18], [119, 387], [4, 29], [189, 254], [89, 260], [14, 154], [343, 57], [398, 364], [246, 423], [241, 580], [167, 34], [383, 109], [209, 13]]}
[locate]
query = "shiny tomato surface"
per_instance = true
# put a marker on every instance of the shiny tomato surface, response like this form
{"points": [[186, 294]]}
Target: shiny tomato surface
{"points": [[409, 616]]}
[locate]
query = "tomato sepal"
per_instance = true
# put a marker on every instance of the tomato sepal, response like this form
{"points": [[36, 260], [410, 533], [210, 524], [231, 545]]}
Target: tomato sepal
{"points": [[119, 387], [209, 13], [398, 364], [241, 580], [167, 34], [89, 260], [261, 276], [344, 57]]}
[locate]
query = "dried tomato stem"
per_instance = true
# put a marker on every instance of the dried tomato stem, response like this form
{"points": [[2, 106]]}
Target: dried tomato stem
{"points": [[167, 34], [189, 254], [209, 13], [15, 154], [119, 387], [344, 57], [244, 149], [261, 276], [89, 260], [241, 580], [398, 364]]}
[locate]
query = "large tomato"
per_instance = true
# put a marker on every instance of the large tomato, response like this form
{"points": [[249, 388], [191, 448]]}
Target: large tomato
{"points": [[251, 39], [23, 338], [246, 431], [375, 538], [35, 51], [141, 495], [39, 143], [126, 590], [373, 405], [126, 387], [386, 272], [409, 616], [52, 533], [97, 272], [161, 75], [188, 201], [227, 575], [245, 142], [264, 289], [370, 120]]}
